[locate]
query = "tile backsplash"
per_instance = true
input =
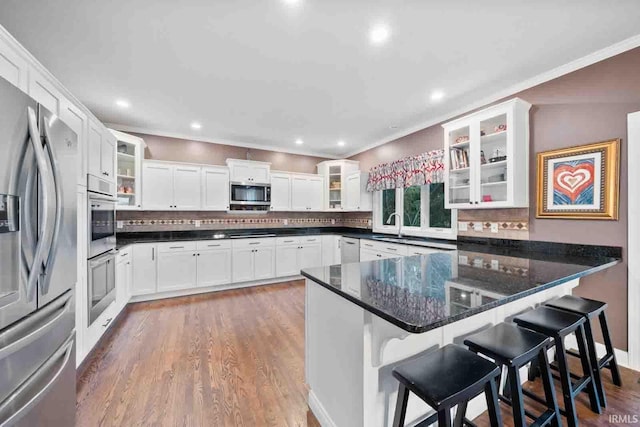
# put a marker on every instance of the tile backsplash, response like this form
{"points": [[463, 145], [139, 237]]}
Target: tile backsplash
{"points": [[494, 223], [135, 221]]}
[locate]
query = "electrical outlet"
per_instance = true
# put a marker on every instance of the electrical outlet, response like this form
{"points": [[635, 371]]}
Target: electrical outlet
{"points": [[120, 224], [369, 222], [494, 227], [463, 259], [197, 223], [462, 226], [477, 226], [495, 264], [333, 221], [285, 221]]}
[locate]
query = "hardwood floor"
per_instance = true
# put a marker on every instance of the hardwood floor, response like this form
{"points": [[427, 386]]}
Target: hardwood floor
{"points": [[232, 358], [621, 401]]}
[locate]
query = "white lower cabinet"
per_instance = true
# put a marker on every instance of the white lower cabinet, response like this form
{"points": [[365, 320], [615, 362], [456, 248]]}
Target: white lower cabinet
{"points": [[145, 273], [253, 259], [124, 276], [295, 253], [287, 260], [214, 267], [242, 265], [176, 270]]}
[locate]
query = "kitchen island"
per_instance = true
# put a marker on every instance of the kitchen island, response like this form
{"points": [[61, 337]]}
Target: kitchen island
{"points": [[364, 318]]}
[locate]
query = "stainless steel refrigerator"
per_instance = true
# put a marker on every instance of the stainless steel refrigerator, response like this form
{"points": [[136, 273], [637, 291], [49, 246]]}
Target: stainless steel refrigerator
{"points": [[38, 161]]}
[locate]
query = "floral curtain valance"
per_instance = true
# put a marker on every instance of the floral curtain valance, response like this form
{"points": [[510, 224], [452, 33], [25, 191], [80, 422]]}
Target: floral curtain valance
{"points": [[425, 168]]}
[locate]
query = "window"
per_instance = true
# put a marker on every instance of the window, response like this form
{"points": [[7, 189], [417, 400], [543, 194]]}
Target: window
{"points": [[421, 208], [388, 205], [412, 208]]}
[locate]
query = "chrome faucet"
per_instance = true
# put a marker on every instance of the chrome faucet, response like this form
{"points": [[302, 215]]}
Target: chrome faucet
{"points": [[399, 222]]}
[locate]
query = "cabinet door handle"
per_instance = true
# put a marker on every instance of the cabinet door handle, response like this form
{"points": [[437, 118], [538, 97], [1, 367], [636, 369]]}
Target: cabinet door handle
{"points": [[392, 249], [254, 243], [213, 246], [153, 254], [288, 241], [176, 247]]}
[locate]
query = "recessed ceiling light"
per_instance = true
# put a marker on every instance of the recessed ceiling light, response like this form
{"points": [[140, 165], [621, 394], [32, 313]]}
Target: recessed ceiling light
{"points": [[379, 34], [123, 103], [340, 143], [196, 126], [437, 95], [299, 141], [291, 2], [393, 127]]}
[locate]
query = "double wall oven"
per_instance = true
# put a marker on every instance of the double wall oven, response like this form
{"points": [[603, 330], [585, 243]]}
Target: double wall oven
{"points": [[102, 244]]}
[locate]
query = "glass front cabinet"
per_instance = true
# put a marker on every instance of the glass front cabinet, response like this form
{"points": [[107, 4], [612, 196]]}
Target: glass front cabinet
{"points": [[130, 152], [335, 174], [487, 158]]}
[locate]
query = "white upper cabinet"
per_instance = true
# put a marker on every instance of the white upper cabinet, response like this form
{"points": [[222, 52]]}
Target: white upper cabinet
{"points": [[335, 173], [101, 152], [280, 191], [157, 186], [108, 154], [13, 68], [357, 198], [487, 158], [167, 186], [306, 192], [130, 151], [215, 188], [186, 187], [248, 171], [77, 120], [43, 91]]}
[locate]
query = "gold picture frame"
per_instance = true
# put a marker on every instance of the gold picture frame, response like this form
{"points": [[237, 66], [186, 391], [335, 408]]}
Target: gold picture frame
{"points": [[579, 182]]}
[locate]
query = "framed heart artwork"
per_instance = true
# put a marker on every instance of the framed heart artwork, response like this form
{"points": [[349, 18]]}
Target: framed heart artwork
{"points": [[579, 182]]}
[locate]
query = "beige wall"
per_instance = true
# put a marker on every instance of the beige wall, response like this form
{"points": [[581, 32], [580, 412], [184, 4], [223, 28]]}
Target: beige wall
{"points": [[183, 150], [588, 105]]}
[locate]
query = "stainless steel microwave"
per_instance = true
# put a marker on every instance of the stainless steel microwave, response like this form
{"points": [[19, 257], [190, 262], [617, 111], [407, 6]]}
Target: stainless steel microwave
{"points": [[249, 196]]}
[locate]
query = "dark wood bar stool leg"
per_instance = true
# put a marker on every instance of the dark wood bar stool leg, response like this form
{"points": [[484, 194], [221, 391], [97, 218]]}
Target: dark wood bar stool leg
{"points": [[444, 417], [593, 359], [517, 400], [565, 380], [610, 358], [491, 393], [586, 368], [549, 389], [401, 406]]}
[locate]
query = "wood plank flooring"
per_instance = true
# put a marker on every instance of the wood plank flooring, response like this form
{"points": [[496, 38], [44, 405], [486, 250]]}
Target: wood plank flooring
{"points": [[232, 358]]}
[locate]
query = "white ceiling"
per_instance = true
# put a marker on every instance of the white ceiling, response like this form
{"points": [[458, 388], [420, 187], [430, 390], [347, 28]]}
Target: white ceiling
{"points": [[265, 73]]}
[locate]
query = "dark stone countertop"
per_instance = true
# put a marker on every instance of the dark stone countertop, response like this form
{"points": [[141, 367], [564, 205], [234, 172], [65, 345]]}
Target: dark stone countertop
{"points": [[421, 293], [128, 238]]}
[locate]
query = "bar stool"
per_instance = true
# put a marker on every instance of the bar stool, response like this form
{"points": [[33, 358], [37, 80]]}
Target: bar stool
{"points": [[558, 324], [515, 347], [590, 309], [445, 378]]}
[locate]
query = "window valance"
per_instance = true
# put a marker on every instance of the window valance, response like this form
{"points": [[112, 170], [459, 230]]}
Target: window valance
{"points": [[425, 168]]}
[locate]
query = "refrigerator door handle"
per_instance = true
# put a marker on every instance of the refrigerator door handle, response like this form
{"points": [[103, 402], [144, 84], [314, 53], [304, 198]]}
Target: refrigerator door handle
{"points": [[6, 408], [49, 258], [30, 235], [17, 342], [43, 167]]}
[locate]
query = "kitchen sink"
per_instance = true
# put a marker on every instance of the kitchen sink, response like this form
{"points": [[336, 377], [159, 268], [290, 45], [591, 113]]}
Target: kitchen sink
{"points": [[402, 241]]}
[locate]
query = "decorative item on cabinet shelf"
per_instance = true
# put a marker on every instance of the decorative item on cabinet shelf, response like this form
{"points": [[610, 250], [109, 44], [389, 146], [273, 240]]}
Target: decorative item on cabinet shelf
{"points": [[579, 182], [459, 158]]}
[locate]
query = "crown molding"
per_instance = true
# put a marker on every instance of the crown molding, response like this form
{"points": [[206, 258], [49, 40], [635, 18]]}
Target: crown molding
{"points": [[585, 61], [219, 141]]}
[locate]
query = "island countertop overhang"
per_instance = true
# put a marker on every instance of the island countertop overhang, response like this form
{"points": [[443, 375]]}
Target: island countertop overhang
{"points": [[418, 293]]}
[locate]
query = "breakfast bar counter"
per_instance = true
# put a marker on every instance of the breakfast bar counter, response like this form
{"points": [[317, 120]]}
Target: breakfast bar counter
{"points": [[364, 318]]}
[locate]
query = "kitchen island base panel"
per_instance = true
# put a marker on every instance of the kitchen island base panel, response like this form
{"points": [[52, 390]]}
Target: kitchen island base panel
{"points": [[351, 352]]}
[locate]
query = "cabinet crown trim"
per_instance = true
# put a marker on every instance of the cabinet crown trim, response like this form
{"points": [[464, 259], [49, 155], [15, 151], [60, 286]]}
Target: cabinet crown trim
{"points": [[514, 101]]}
